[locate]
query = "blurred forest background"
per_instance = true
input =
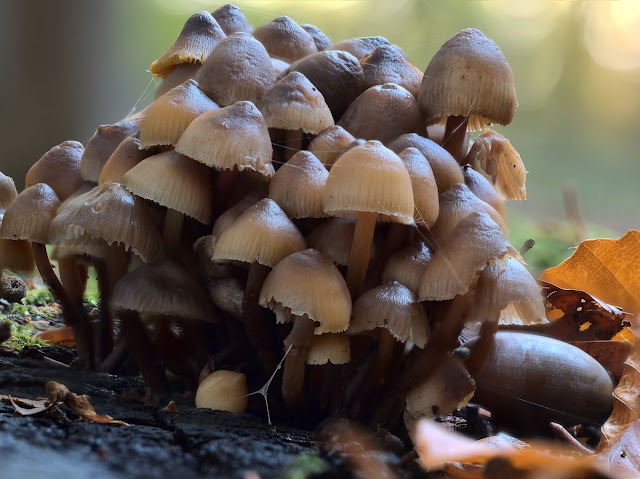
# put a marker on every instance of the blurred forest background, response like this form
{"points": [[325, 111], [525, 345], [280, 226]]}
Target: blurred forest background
{"points": [[71, 65]]}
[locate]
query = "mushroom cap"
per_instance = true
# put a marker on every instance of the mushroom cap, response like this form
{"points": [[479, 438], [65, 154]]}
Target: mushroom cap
{"points": [[308, 283], [386, 64], [235, 136], [298, 186], [231, 19], [321, 40], [8, 191], [383, 112], [360, 47], [102, 145], [280, 67], [392, 306], [446, 169], [127, 155], [112, 213], [239, 68], [227, 295], [294, 103], [16, 255], [177, 76], [163, 289], [338, 76], [168, 116], [223, 390], [263, 233], [407, 265], [28, 217], [483, 189], [284, 38], [423, 184], [471, 245], [175, 181], [330, 144], [229, 216], [329, 348], [370, 178], [59, 168], [468, 76], [334, 237], [83, 245], [197, 39]]}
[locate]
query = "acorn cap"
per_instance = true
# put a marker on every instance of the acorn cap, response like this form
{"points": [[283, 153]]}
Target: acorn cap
{"points": [[330, 144], [495, 157], [177, 76], [423, 184], [8, 191], [507, 286], [462, 256], [163, 289], [294, 103], [382, 112], [406, 266], [333, 238], [321, 40], [168, 116], [238, 69], [223, 390], [360, 47], [175, 181], [231, 19], [59, 168], [127, 155], [229, 216], [112, 213], [468, 76], [308, 283], [338, 76], [283, 38], [446, 170], [298, 186], [102, 145], [199, 36], [16, 255], [263, 233], [392, 306], [370, 178], [29, 215], [235, 136], [386, 64], [455, 204], [483, 189], [329, 348]]}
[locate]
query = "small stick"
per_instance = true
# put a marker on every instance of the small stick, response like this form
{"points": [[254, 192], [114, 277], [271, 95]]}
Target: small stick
{"points": [[562, 433]]}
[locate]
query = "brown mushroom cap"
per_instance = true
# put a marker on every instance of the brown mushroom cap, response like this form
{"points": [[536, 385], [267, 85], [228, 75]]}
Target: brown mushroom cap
{"points": [[177, 76], [298, 186], [175, 181], [386, 64], [8, 191], [283, 38], [235, 136], [59, 168], [382, 112], [127, 155], [392, 306], [333, 238], [445, 169], [423, 184], [407, 265], [199, 36], [330, 144], [28, 217], [16, 255], [239, 68], [263, 233], [102, 145], [280, 67], [163, 289], [462, 256], [483, 189], [370, 178], [321, 40], [360, 47], [338, 76], [307, 283], [468, 76], [168, 116], [83, 245], [231, 19], [229, 216], [112, 213], [294, 103], [329, 348], [223, 391]]}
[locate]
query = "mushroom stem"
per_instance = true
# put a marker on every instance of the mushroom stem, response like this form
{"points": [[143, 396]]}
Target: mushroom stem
{"points": [[172, 230], [72, 312], [454, 136], [295, 363], [484, 344], [71, 279], [115, 359], [386, 342], [360, 251]]}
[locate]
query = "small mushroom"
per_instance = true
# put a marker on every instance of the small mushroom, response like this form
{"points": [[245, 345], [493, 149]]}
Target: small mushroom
{"points": [[284, 38], [223, 390]]}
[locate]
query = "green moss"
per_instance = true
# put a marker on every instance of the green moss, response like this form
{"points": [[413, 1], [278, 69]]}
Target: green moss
{"points": [[31, 310], [22, 335], [38, 296], [305, 465]]}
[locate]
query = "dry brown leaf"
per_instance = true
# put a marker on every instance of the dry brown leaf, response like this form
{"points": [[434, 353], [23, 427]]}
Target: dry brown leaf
{"points": [[608, 269], [83, 408], [36, 406], [611, 354], [61, 336], [624, 456]]}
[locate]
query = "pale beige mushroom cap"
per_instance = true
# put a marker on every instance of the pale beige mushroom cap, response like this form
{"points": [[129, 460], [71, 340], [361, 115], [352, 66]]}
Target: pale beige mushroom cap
{"points": [[102, 145], [329, 348], [468, 76], [127, 155], [231, 19], [330, 144], [307, 283], [284, 38], [334, 238], [423, 183], [16, 255], [223, 390], [407, 266], [360, 47], [321, 40], [8, 191], [385, 64], [28, 217], [483, 189], [59, 168]]}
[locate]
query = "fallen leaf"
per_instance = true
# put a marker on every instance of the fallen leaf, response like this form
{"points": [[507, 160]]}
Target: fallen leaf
{"points": [[611, 354], [83, 408], [605, 268], [36, 409], [61, 336]]}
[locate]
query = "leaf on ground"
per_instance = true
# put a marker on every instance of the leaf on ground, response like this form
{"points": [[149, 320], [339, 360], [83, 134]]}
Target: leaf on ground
{"points": [[605, 268], [611, 354], [36, 406], [576, 316], [62, 336], [624, 456], [83, 408]]}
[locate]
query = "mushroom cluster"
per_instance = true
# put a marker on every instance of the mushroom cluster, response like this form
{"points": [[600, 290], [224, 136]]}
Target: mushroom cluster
{"points": [[284, 196]]}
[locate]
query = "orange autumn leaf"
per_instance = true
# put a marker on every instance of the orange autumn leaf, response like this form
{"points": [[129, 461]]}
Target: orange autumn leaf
{"points": [[61, 336], [608, 269]]}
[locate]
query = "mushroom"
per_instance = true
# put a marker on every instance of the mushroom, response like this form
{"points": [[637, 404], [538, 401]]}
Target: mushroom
{"points": [[102, 145], [483, 189], [407, 265], [231, 19], [59, 168], [285, 39], [127, 155], [321, 40], [330, 144], [223, 390], [386, 64], [360, 47], [423, 184]]}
